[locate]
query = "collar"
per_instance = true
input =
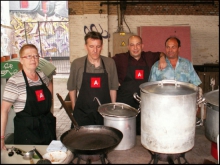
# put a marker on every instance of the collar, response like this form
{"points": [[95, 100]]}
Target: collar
{"points": [[89, 64]]}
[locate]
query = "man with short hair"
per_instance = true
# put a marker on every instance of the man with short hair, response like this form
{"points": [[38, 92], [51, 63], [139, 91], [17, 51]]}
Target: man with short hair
{"points": [[92, 76], [133, 69], [178, 68]]}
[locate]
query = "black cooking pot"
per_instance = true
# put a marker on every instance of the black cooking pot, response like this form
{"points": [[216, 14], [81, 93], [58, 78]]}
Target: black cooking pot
{"points": [[90, 139]]}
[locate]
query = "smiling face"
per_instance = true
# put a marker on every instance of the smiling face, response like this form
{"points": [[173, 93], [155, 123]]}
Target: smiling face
{"points": [[135, 46], [172, 49], [93, 48], [29, 64]]}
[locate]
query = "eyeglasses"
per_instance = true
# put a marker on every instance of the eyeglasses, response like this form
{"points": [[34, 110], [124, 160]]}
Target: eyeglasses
{"points": [[31, 56]]}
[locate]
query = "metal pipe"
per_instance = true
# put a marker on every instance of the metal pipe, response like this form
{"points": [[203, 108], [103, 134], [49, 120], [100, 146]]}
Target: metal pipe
{"points": [[41, 51], [25, 32], [160, 2]]}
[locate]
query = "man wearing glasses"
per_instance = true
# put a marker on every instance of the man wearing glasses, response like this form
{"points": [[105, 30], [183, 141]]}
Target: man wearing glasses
{"points": [[30, 93]]}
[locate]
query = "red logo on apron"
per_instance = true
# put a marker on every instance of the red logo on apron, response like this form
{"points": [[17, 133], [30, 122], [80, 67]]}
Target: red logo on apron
{"points": [[139, 74], [40, 95], [95, 82]]}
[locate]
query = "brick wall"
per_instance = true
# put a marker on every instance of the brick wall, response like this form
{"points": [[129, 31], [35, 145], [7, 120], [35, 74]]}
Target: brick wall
{"points": [[93, 7], [175, 9], [203, 20]]}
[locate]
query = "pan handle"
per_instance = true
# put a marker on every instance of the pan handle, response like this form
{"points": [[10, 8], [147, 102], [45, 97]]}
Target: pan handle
{"points": [[76, 126], [38, 153]]}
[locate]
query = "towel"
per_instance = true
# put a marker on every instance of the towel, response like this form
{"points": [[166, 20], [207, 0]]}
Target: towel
{"points": [[56, 145]]}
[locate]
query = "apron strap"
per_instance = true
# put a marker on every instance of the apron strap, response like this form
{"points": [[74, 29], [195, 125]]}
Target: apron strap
{"points": [[26, 81], [25, 78], [40, 78]]}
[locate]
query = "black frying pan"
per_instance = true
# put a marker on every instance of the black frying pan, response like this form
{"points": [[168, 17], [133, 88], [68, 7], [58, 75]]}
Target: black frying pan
{"points": [[91, 139]]}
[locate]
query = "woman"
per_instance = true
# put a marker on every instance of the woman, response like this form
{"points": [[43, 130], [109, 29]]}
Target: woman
{"points": [[30, 93]]}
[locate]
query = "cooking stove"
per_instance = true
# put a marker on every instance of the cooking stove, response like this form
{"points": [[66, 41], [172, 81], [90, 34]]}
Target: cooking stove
{"points": [[170, 158], [90, 159]]}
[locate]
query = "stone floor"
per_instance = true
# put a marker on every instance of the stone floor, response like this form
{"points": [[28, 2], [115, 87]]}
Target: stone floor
{"points": [[59, 86]]}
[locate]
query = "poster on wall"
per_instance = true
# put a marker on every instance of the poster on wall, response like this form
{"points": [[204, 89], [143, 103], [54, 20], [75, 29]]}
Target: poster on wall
{"points": [[42, 23], [41, 8]]}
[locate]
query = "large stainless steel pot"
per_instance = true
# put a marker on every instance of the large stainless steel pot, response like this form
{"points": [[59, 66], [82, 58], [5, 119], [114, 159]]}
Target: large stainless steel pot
{"points": [[168, 116], [212, 115], [122, 117]]}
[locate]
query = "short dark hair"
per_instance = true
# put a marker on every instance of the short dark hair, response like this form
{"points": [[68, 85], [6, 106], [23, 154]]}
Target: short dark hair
{"points": [[175, 38], [93, 35]]}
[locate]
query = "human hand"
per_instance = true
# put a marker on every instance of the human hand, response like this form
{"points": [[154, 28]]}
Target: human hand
{"points": [[162, 62], [162, 65]]}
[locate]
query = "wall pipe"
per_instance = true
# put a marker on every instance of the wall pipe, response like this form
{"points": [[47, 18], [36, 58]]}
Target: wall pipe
{"points": [[159, 2]]}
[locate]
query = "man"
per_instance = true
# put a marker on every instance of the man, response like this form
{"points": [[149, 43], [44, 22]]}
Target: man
{"points": [[178, 68], [133, 69], [91, 76]]}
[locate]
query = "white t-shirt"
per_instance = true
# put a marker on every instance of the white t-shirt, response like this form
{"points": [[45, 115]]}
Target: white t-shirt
{"points": [[15, 89]]}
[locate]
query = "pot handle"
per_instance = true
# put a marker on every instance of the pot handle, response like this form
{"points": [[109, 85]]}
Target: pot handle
{"points": [[200, 100], [169, 81], [201, 103], [95, 98], [136, 97]]}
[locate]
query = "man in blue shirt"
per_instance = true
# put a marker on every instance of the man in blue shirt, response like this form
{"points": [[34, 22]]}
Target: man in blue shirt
{"points": [[178, 68]]}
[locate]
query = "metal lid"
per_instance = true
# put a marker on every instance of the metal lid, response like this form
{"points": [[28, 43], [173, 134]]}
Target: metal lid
{"points": [[117, 110], [168, 87], [212, 97]]}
